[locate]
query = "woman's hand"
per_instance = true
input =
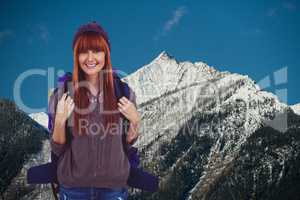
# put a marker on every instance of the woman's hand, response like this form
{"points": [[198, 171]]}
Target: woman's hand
{"points": [[128, 109], [65, 107]]}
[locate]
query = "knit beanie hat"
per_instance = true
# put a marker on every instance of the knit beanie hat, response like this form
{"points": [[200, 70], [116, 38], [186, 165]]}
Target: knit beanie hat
{"points": [[91, 27]]}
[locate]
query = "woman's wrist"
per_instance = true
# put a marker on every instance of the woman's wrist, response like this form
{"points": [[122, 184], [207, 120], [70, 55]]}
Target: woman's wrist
{"points": [[135, 121], [60, 120]]}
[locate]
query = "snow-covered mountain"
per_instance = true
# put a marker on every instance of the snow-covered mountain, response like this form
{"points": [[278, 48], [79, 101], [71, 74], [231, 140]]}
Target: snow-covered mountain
{"points": [[212, 135], [171, 92], [196, 124]]}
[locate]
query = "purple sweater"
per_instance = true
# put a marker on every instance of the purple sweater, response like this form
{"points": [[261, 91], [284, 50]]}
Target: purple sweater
{"points": [[96, 159]]}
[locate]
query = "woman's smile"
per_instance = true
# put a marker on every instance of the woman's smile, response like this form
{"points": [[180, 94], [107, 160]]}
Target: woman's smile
{"points": [[92, 62], [93, 65]]}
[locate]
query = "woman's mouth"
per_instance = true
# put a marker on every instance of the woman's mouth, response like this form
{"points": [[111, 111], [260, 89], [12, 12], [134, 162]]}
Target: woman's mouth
{"points": [[91, 66]]}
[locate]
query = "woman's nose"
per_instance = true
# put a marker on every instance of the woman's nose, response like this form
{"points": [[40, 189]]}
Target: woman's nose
{"points": [[90, 56]]}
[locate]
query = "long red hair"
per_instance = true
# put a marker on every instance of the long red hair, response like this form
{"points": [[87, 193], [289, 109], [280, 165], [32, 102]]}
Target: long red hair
{"points": [[94, 41]]}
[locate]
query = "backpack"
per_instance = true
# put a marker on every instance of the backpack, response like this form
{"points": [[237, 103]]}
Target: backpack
{"points": [[46, 173]]}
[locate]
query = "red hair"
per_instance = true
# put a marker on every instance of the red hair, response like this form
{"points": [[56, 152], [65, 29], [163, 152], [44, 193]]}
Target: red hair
{"points": [[94, 41]]}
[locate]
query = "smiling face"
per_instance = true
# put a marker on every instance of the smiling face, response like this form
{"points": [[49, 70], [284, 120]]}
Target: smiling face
{"points": [[91, 54], [91, 61]]}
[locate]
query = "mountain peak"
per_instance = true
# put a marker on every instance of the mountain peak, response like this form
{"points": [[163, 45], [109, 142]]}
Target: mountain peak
{"points": [[164, 55]]}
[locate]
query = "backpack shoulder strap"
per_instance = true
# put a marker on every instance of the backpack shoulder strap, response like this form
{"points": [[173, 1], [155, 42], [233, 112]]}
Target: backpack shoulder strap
{"points": [[62, 87], [121, 88]]}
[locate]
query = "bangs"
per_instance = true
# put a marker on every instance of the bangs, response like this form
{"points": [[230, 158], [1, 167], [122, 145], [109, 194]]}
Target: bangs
{"points": [[90, 41]]}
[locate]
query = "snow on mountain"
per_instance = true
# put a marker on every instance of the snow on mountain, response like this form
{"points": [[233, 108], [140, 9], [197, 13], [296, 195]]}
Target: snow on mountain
{"points": [[165, 74], [296, 108], [170, 92], [41, 118]]}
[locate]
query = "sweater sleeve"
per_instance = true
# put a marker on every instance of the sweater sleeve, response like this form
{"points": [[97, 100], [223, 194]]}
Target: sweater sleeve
{"points": [[56, 148]]}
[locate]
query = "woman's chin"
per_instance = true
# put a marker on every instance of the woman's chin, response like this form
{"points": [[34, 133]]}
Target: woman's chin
{"points": [[91, 71]]}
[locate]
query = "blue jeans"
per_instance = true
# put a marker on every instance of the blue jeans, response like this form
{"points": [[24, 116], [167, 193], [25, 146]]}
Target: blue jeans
{"points": [[92, 193]]}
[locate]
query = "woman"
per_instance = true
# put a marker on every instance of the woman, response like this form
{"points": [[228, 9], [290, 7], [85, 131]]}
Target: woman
{"points": [[93, 165]]}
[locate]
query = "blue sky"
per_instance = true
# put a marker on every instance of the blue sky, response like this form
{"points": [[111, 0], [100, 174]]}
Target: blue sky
{"points": [[256, 38]]}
